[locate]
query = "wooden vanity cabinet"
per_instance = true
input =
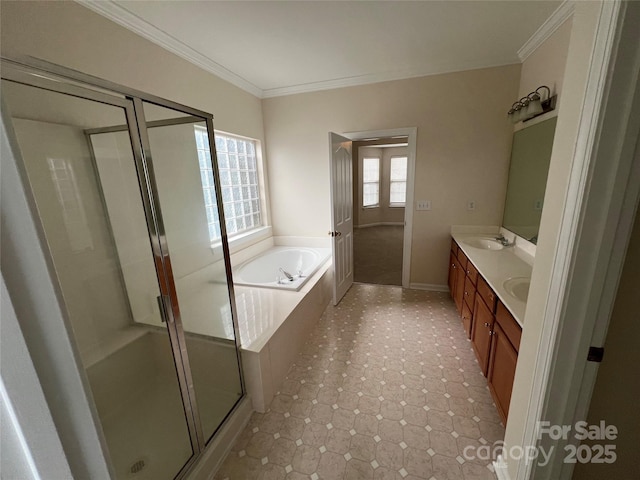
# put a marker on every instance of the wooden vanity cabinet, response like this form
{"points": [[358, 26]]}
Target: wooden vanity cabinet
{"points": [[459, 290], [502, 370], [456, 282], [482, 327], [494, 333], [467, 318]]}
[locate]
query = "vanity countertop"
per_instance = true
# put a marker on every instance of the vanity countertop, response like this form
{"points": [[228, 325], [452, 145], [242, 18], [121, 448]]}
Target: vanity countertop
{"points": [[497, 266]]}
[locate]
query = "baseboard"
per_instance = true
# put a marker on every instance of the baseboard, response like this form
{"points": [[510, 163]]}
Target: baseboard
{"points": [[380, 224], [500, 468], [217, 451], [432, 287]]}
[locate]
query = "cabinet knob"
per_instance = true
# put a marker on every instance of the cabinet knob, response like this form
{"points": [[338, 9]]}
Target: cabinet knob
{"points": [[486, 324], [492, 332]]}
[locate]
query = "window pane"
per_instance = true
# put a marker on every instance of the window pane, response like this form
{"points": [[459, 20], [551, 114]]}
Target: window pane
{"points": [[239, 180], [398, 192], [371, 170], [371, 194], [398, 169]]}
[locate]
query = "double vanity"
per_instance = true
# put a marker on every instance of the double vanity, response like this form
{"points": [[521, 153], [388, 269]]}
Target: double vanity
{"points": [[489, 283]]}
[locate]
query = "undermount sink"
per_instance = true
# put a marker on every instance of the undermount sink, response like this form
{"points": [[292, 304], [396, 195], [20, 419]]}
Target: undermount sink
{"points": [[484, 243], [518, 287]]}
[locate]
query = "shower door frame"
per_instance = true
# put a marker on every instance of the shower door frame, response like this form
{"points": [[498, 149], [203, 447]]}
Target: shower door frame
{"points": [[37, 73]]}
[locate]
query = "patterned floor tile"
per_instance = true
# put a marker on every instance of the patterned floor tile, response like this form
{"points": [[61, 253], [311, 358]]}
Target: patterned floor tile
{"points": [[386, 387]]}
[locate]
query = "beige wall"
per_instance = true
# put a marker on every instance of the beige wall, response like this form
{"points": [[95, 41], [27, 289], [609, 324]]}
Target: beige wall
{"points": [[463, 147], [584, 26], [69, 34]]}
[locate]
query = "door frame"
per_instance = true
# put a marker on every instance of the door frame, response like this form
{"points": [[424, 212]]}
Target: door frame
{"points": [[601, 203], [412, 134]]}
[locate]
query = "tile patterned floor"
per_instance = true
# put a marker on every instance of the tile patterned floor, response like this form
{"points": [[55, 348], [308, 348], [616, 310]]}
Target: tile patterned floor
{"points": [[387, 387]]}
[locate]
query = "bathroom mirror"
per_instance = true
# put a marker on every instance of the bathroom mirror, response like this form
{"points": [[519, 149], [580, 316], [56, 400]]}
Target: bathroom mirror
{"points": [[530, 157]]}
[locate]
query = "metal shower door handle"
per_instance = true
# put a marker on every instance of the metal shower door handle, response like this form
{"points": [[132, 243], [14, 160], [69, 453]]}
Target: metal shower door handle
{"points": [[162, 305]]}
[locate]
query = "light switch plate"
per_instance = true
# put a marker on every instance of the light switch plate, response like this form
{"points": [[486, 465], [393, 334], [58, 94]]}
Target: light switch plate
{"points": [[423, 205], [471, 205]]}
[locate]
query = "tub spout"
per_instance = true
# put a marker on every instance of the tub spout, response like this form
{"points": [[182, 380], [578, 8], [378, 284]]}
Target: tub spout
{"points": [[287, 274]]}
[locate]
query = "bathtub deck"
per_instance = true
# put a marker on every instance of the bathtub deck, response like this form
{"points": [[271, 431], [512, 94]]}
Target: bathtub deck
{"points": [[273, 325]]}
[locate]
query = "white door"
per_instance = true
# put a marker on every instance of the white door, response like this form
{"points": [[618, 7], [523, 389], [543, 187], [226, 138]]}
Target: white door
{"points": [[341, 214]]}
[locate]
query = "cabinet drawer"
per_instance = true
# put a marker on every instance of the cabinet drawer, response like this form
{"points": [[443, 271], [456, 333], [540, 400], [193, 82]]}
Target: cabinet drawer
{"points": [[472, 273], [485, 291], [469, 293], [510, 327], [463, 260], [454, 247]]}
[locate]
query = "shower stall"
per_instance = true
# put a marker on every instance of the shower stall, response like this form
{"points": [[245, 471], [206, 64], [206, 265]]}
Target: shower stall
{"points": [[128, 199]]}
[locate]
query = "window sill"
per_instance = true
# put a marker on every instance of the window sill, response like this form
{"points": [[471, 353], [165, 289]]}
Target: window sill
{"points": [[369, 207], [241, 241], [397, 205]]}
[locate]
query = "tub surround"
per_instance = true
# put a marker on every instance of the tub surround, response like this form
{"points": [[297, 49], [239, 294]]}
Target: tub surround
{"points": [[273, 324], [497, 266]]}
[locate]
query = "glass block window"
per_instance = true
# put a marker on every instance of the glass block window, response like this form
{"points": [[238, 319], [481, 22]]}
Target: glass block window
{"points": [[370, 182], [398, 181], [238, 167]]}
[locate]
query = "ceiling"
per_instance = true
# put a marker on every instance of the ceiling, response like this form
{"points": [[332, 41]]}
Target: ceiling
{"points": [[272, 48]]}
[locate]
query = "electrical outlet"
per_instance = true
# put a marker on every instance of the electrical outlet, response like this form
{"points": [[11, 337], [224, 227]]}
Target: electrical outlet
{"points": [[423, 205], [471, 205]]}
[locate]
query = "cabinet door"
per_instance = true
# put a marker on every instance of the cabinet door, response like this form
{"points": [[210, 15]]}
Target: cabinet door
{"points": [[469, 292], [481, 333], [452, 274], [502, 369], [459, 288], [467, 319]]}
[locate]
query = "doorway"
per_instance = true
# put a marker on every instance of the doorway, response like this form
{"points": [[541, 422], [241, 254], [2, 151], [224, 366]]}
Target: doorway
{"points": [[379, 198], [387, 240]]}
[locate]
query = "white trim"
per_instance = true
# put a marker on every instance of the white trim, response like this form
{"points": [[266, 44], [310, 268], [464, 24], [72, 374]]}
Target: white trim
{"points": [[431, 287], [587, 235], [500, 469], [380, 224], [611, 193], [217, 451], [548, 28], [412, 139], [385, 77], [120, 15]]}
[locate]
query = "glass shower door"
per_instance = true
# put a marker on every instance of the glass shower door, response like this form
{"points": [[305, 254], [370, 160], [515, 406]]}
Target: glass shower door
{"points": [[94, 216], [180, 155]]}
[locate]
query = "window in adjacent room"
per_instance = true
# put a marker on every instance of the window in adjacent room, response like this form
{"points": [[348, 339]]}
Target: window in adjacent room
{"points": [[370, 182], [398, 182], [238, 166]]}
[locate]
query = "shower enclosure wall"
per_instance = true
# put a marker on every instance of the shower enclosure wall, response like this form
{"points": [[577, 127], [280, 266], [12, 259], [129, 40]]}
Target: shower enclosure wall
{"points": [[127, 195]]}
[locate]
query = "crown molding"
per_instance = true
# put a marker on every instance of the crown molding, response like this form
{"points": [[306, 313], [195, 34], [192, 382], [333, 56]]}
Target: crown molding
{"points": [[128, 20], [384, 77], [557, 18]]}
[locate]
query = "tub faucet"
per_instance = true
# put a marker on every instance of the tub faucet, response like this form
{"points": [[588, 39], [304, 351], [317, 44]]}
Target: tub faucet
{"points": [[287, 274]]}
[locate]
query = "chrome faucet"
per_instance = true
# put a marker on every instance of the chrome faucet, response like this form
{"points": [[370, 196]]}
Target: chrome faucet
{"points": [[287, 274], [504, 241]]}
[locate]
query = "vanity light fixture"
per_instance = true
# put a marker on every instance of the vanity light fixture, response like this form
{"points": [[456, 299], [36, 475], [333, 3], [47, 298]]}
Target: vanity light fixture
{"points": [[532, 105]]}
